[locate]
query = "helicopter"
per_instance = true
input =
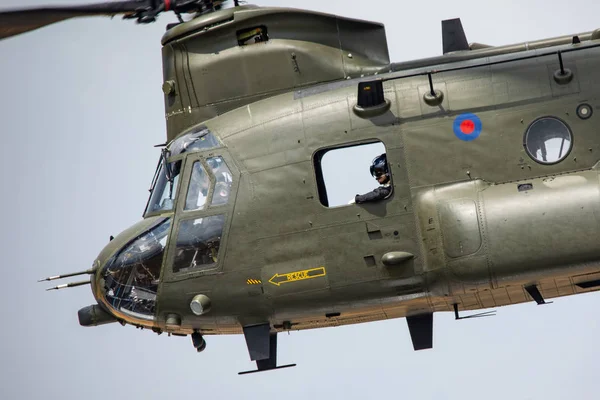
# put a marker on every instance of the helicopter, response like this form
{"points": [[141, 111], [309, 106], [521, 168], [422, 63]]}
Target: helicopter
{"points": [[442, 242]]}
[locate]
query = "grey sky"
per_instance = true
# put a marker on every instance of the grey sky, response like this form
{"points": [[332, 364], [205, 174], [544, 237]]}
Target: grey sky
{"points": [[81, 110]]}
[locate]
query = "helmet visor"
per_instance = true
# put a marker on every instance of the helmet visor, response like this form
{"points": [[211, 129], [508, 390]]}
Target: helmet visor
{"points": [[378, 170]]}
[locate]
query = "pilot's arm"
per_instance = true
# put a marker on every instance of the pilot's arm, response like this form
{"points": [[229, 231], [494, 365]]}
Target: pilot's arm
{"points": [[380, 193]]}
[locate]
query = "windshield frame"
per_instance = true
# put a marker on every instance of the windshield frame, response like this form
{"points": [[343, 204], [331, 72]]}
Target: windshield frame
{"points": [[200, 131], [209, 210], [160, 168]]}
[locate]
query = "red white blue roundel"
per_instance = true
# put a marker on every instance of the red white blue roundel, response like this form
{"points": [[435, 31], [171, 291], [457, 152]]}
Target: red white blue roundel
{"points": [[467, 127]]}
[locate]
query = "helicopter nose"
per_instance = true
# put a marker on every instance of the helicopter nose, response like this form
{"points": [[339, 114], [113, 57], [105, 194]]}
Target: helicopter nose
{"points": [[126, 282], [91, 315]]}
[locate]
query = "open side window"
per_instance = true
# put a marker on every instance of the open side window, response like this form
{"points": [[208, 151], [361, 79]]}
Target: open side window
{"points": [[343, 172]]}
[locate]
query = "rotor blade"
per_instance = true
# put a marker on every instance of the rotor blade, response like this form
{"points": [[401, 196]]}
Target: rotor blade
{"points": [[15, 22]]}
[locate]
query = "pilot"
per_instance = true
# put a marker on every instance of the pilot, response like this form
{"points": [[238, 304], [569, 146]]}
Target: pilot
{"points": [[381, 172]]}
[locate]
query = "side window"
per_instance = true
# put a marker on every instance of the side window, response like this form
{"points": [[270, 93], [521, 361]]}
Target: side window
{"points": [[198, 243], [548, 140], [344, 172], [223, 180], [198, 188]]}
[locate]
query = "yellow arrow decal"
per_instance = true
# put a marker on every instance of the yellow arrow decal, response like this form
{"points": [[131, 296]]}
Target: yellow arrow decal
{"points": [[295, 276]]}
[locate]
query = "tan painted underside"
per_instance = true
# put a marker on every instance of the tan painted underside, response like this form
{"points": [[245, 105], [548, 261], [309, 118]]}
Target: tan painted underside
{"points": [[549, 288]]}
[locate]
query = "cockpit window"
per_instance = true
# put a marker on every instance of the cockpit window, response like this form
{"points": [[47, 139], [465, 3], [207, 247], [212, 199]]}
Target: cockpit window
{"points": [[201, 139], [164, 188], [166, 178], [198, 188], [223, 177], [132, 276], [198, 243]]}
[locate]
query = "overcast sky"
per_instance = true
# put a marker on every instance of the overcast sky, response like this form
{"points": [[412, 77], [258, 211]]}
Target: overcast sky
{"points": [[81, 109]]}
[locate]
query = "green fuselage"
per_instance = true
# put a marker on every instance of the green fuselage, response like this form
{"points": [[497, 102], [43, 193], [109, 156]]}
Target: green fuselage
{"points": [[471, 222]]}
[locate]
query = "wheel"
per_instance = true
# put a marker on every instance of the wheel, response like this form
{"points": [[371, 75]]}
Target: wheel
{"points": [[202, 346], [198, 341]]}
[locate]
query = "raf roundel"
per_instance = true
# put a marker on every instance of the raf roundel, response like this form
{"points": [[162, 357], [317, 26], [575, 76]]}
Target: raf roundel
{"points": [[467, 127]]}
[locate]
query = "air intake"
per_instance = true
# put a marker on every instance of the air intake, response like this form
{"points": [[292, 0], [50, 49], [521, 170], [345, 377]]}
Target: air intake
{"points": [[370, 101]]}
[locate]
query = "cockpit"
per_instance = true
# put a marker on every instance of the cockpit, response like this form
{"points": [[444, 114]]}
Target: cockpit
{"points": [[132, 275], [166, 177], [188, 208]]}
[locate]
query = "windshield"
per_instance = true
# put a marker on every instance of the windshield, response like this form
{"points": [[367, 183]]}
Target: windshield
{"points": [[132, 275], [164, 188], [166, 177]]}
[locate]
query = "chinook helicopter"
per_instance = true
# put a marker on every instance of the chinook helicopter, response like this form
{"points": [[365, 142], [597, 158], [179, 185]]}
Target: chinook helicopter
{"points": [[205, 260]]}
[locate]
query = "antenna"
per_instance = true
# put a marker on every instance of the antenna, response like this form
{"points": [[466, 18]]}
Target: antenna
{"points": [[72, 284], [52, 278], [68, 285], [479, 315]]}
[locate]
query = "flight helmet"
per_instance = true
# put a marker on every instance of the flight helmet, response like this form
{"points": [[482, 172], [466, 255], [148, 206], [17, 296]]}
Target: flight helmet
{"points": [[379, 166]]}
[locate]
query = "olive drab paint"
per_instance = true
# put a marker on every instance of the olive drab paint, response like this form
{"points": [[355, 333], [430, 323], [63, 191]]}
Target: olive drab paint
{"points": [[493, 154]]}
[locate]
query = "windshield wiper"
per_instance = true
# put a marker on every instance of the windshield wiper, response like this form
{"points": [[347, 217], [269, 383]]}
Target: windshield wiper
{"points": [[168, 171]]}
